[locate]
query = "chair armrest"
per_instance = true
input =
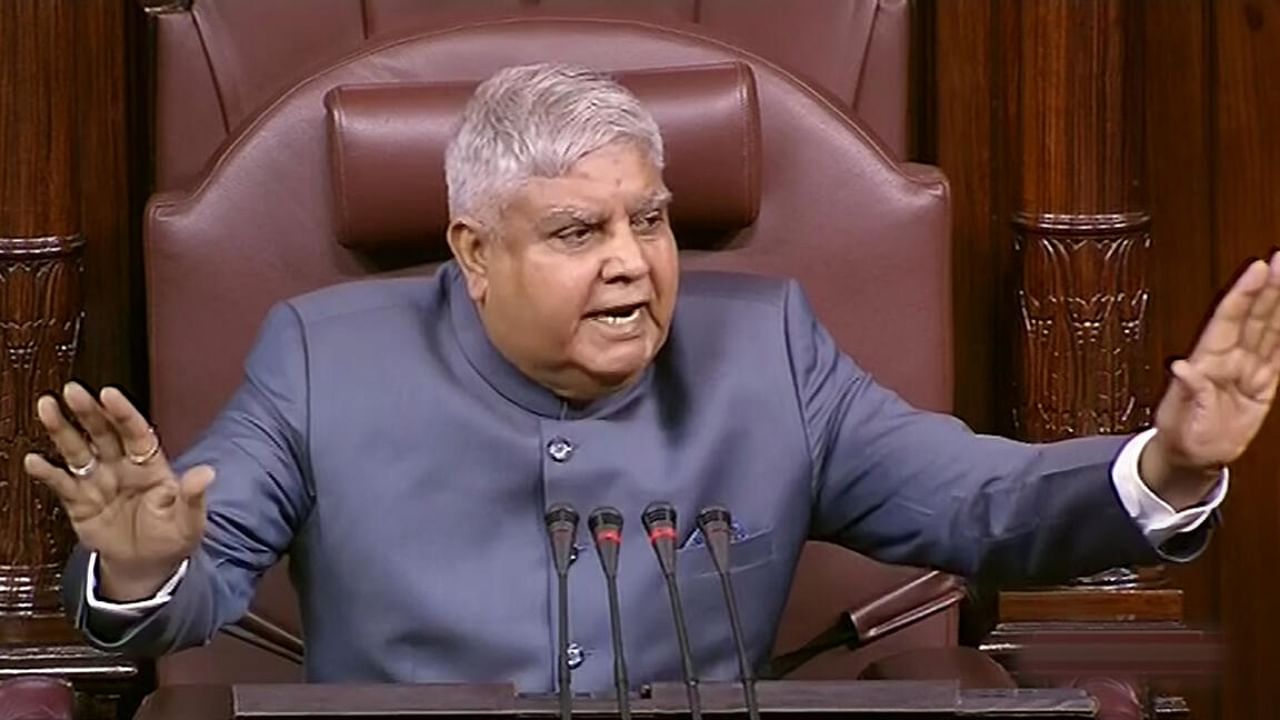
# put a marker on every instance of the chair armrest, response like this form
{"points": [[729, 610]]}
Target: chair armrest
{"points": [[906, 605], [266, 635], [902, 607]]}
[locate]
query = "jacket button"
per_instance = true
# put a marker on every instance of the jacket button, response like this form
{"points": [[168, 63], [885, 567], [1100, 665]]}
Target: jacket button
{"points": [[560, 449], [575, 655]]}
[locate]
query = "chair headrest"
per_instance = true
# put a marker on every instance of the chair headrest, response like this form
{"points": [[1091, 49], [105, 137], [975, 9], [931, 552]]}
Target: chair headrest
{"points": [[387, 147]]}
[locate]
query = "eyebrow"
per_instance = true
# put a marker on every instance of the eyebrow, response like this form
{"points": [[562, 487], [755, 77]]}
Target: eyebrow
{"points": [[658, 199], [556, 215]]}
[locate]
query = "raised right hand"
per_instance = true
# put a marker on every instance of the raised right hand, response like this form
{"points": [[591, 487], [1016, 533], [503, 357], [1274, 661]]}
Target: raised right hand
{"points": [[120, 493]]}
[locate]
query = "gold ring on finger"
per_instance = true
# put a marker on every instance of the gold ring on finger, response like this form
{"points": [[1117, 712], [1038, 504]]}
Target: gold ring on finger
{"points": [[146, 457], [85, 470]]}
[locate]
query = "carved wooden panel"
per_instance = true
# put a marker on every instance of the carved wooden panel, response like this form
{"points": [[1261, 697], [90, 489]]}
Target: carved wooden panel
{"points": [[39, 334], [1083, 304]]}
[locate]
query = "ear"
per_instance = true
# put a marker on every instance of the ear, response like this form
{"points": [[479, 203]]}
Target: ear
{"points": [[472, 247]]}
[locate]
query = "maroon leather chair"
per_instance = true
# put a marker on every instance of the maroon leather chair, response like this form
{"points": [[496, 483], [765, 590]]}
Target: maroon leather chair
{"points": [[308, 193], [36, 698], [222, 61]]}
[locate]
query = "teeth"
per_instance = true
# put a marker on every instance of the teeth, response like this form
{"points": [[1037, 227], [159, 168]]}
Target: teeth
{"points": [[620, 319]]}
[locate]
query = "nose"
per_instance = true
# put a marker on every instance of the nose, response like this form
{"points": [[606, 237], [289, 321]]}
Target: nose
{"points": [[626, 261]]}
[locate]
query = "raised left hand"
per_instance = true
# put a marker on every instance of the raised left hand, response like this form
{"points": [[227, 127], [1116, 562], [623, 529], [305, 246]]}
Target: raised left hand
{"points": [[1218, 396]]}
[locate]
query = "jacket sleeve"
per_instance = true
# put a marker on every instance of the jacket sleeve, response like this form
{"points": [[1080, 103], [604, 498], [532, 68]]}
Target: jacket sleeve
{"points": [[258, 501], [920, 488]]}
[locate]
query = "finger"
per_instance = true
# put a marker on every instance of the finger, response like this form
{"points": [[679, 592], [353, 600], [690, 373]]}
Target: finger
{"points": [[66, 438], [193, 485], [1269, 346], [57, 479], [92, 418], [136, 436], [1192, 380], [1264, 307], [1224, 329]]}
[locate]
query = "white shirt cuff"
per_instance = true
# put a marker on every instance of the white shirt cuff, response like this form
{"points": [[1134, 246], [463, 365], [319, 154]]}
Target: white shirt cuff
{"points": [[1154, 516], [137, 608]]}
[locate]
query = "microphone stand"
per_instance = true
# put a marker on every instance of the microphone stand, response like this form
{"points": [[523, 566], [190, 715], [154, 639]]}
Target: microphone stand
{"points": [[715, 524], [606, 529], [660, 522], [562, 526]]}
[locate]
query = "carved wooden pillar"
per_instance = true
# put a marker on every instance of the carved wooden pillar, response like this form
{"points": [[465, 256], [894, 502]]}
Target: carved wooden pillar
{"points": [[45, 47], [40, 285], [1082, 231]]}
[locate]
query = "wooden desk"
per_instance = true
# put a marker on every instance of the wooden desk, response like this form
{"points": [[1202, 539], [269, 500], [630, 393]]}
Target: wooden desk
{"points": [[864, 699]]}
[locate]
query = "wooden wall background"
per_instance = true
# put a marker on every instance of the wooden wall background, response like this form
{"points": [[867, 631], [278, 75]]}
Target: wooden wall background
{"points": [[1211, 135], [1210, 179]]}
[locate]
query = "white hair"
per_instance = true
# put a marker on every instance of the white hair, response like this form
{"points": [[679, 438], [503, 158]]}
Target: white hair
{"points": [[537, 121]]}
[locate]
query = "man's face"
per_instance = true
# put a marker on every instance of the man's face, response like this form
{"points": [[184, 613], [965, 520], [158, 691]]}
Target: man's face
{"points": [[577, 284]]}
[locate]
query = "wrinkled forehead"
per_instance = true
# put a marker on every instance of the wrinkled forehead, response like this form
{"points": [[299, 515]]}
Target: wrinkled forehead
{"points": [[617, 177]]}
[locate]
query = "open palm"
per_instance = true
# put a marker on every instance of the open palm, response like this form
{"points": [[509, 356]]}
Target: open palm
{"points": [[1221, 394], [119, 492]]}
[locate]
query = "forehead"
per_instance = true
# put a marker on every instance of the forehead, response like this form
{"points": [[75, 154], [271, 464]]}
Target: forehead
{"points": [[616, 174]]}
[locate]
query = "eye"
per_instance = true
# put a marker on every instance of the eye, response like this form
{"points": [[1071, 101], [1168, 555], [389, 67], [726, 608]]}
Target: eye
{"points": [[647, 222], [574, 235]]}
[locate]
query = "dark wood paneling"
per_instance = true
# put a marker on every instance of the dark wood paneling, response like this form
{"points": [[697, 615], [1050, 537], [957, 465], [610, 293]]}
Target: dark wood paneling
{"points": [[1180, 196], [1246, 175], [113, 161], [970, 144], [37, 138], [1080, 122]]}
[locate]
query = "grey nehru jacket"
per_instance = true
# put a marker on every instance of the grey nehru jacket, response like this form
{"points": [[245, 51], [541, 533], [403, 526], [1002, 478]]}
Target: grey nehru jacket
{"points": [[381, 440]]}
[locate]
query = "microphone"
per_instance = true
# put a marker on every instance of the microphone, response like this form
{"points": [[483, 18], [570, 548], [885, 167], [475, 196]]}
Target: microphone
{"points": [[606, 529], [715, 524], [660, 524], [562, 527]]}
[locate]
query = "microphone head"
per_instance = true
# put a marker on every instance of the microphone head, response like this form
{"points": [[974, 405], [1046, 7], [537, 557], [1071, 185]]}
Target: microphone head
{"points": [[605, 518], [717, 525], [659, 520], [714, 518], [660, 515], [561, 516], [562, 526]]}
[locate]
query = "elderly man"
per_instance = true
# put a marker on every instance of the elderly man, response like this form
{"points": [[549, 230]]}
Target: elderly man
{"points": [[400, 439]]}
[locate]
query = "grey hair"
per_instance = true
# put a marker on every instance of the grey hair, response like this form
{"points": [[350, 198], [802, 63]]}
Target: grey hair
{"points": [[537, 121]]}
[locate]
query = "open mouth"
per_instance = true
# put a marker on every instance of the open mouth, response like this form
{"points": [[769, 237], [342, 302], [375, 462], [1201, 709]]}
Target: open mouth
{"points": [[619, 314]]}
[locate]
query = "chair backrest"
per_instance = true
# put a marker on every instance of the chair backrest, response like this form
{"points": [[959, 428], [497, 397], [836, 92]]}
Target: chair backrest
{"points": [[224, 60], [866, 236]]}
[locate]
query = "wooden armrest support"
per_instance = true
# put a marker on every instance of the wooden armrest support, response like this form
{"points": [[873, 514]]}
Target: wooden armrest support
{"points": [[906, 605], [926, 595], [266, 635]]}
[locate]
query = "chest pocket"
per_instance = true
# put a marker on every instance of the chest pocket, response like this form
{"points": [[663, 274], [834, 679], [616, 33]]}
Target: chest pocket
{"points": [[695, 560], [759, 583]]}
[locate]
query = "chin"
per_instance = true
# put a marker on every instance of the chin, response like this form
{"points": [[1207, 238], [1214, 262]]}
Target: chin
{"points": [[614, 377]]}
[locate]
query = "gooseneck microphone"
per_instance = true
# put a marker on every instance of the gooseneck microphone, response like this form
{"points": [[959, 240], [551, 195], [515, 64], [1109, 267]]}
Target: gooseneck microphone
{"points": [[715, 524], [660, 524], [562, 528], [606, 529]]}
